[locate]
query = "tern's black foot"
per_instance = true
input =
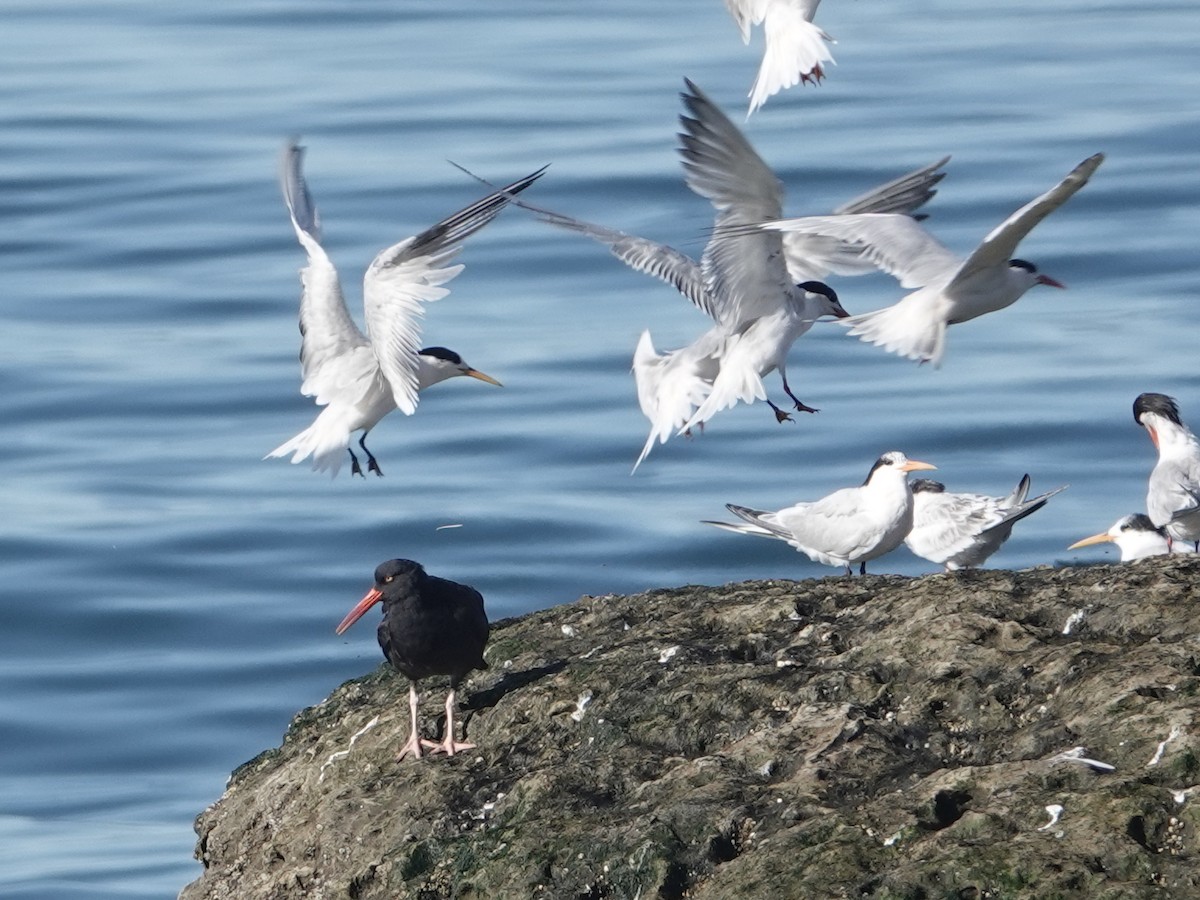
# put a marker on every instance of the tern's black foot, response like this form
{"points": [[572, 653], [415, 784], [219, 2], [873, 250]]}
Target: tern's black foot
{"points": [[804, 407], [780, 415], [372, 465], [862, 568], [355, 468]]}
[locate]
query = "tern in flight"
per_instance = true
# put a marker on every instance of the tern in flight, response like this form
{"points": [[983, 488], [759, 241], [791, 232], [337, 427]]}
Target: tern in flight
{"points": [[853, 525], [951, 290], [794, 49], [1173, 497], [360, 378], [961, 530], [1136, 537], [761, 289]]}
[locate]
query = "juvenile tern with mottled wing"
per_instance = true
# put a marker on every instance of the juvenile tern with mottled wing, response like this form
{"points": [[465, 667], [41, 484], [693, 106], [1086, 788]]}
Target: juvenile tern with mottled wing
{"points": [[852, 525], [961, 530], [359, 380], [1173, 497], [794, 48], [951, 290]]}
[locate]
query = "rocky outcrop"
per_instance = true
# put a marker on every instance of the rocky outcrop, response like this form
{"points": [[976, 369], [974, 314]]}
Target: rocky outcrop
{"points": [[875, 737]]}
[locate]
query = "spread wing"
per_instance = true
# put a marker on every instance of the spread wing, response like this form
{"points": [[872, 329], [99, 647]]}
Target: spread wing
{"points": [[814, 257], [1001, 244], [643, 255], [895, 243], [407, 275], [333, 352], [745, 271]]}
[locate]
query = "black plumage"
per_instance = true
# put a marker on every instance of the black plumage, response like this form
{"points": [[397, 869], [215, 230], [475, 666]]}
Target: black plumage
{"points": [[430, 626]]}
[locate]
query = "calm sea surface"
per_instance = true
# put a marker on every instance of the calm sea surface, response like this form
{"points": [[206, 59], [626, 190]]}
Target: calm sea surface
{"points": [[170, 597]]}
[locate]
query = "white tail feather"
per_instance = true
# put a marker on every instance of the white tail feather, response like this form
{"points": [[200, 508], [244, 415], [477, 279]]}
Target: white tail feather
{"points": [[795, 50], [325, 440]]}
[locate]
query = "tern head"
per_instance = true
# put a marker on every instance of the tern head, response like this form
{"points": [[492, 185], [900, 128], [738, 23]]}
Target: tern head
{"points": [[928, 486], [896, 462], [1152, 405], [1032, 273], [826, 299], [447, 364], [1135, 535]]}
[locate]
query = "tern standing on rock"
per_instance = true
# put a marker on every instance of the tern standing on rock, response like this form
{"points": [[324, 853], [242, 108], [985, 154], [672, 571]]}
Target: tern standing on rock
{"points": [[430, 626], [962, 530], [1173, 498], [359, 380], [952, 290], [853, 525]]}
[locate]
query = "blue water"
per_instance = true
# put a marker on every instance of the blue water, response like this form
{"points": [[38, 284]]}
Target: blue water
{"points": [[170, 597]]}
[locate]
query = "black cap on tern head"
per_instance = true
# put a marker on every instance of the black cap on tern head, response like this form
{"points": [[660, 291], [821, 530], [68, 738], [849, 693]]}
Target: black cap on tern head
{"points": [[1141, 522], [819, 287], [1023, 264], [927, 486], [442, 353], [1156, 403]]}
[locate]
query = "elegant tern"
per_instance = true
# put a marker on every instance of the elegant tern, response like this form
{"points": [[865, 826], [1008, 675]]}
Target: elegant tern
{"points": [[360, 379], [951, 290], [430, 626], [794, 48], [961, 530], [1173, 497], [1136, 537], [852, 525]]}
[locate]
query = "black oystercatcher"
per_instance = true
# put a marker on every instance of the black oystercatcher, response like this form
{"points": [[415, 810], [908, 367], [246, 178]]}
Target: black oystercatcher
{"points": [[430, 626]]}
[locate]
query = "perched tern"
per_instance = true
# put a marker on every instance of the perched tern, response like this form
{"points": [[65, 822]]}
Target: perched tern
{"points": [[853, 525], [794, 48], [1136, 537], [1173, 499], [359, 380], [759, 303], [430, 626], [962, 530], [952, 290]]}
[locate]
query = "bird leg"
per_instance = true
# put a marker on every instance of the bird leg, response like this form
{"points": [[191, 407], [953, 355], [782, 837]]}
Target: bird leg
{"points": [[862, 567], [449, 746], [780, 415], [355, 468], [800, 405], [414, 742], [372, 465]]}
